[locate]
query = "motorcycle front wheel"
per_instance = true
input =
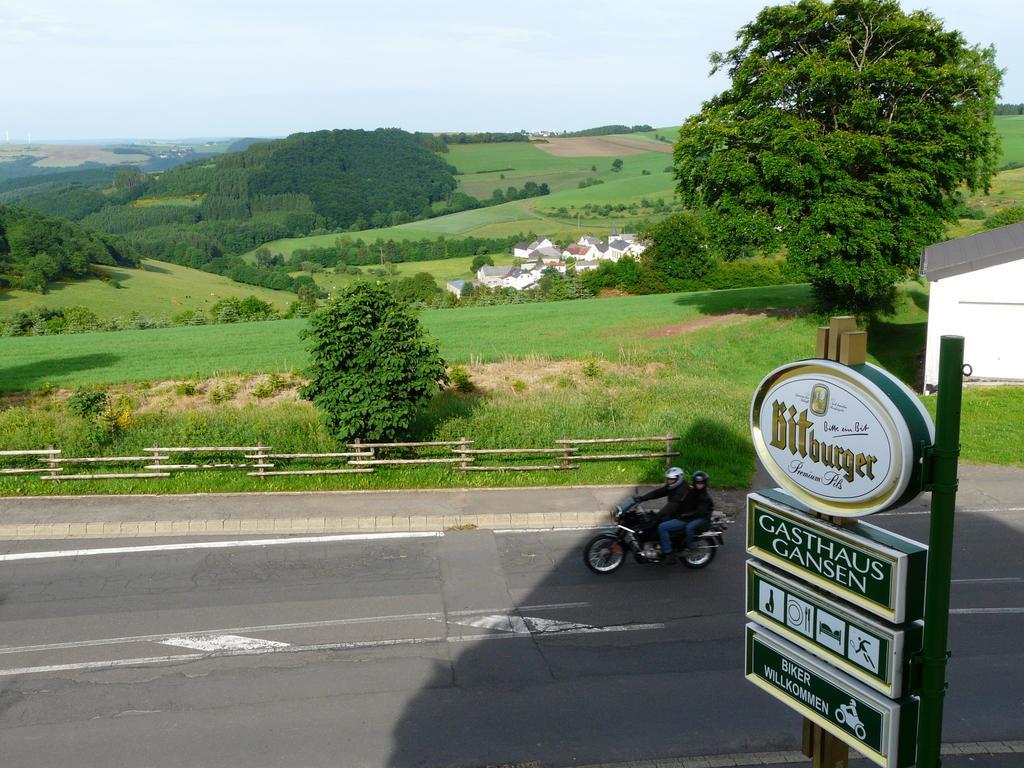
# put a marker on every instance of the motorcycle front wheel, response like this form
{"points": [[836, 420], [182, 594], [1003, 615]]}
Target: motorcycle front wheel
{"points": [[700, 557], [604, 553]]}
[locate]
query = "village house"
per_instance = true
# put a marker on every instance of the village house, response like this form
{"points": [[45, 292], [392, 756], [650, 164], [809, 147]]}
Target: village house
{"points": [[521, 250]]}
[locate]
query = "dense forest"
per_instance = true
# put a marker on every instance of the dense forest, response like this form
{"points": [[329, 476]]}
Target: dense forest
{"points": [[36, 249]]}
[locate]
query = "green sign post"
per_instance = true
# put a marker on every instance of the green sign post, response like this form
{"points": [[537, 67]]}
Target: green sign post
{"points": [[875, 570], [881, 729], [870, 651], [844, 439], [942, 481]]}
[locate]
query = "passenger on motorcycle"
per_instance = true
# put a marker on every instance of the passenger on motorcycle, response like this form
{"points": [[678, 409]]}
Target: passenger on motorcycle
{"points": [[688, 508]]}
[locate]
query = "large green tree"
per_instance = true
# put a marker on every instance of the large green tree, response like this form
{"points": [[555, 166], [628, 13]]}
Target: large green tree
{"points": [[372, 366], [845, 134]]}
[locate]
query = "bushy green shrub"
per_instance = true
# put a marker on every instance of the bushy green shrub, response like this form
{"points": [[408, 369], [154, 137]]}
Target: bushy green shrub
{"points": [[373, 368], [222, 392], [87, 402], [460, 379], [1011, 215]]}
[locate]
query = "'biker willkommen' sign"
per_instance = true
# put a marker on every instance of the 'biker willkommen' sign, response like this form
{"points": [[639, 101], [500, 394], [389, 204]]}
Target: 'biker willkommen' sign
{"points": [[870, 651], [876, 570], [857, 715], [844, 440]]}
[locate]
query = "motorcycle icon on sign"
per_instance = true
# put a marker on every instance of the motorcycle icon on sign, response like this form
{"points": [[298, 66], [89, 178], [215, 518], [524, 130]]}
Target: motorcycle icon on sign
{"points": [[847, 715]]}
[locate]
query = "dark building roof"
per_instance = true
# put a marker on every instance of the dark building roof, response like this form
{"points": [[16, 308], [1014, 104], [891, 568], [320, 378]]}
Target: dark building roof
{"points": [[967, 254]]}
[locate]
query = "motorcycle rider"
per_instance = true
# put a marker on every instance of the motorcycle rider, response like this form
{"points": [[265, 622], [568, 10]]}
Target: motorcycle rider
{"points": [[688, 508]]}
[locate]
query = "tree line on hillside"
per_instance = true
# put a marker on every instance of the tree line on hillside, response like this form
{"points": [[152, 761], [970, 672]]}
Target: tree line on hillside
{"points": [[484, 138], [607, 130], [36, 250], [1009, 109]]}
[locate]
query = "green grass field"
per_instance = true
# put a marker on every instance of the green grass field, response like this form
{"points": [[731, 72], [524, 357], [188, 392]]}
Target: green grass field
{"points": [[158, 289], [620, 327], [482, 167], [1011, 129], [442, 270], [682, 363]]}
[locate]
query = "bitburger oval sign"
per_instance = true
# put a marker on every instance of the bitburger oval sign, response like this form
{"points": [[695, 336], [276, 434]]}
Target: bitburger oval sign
{"points": [[845, 440]]}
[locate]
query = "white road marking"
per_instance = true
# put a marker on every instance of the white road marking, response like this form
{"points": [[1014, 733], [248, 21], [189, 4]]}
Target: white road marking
{"points": [[87, 666], [999, 580], [273, 628], [221, 642], [1015, 609], [220, 545], [554, 529], [530, 625]]}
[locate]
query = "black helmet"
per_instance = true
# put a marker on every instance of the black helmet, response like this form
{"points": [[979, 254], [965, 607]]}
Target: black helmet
{"points": [[700, 477], [674, 476]]}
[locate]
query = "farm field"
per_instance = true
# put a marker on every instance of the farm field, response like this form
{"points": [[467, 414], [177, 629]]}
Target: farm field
{"points": [[683, 363], [1011, 129], [159, 289], [631, 326], [482, 166], [442, 270], [535, 215]]}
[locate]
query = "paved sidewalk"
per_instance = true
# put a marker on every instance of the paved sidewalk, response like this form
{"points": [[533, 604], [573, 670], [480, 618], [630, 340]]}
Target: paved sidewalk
{"points": [[56, 517]]}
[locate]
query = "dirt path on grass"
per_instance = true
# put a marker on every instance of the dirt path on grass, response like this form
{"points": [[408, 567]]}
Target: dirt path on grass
{"points": [[708, 321], [601, 146]]}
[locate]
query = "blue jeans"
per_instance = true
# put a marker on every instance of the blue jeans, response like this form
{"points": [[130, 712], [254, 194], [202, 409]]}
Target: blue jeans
{"points": [[692, 528]]}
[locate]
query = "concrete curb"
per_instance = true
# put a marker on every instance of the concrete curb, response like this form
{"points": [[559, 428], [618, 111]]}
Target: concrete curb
{"points": [[306, 525]]}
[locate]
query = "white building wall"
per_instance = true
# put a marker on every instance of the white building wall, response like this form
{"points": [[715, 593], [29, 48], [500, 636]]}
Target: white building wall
{"points": [[986, 307]]}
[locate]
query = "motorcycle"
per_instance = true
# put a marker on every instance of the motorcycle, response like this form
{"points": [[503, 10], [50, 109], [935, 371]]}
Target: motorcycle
{"points": [[636, 531]]}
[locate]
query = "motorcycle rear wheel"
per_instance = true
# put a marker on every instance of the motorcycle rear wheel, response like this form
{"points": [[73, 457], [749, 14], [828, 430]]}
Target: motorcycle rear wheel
{"points": [[604, 553], [700, 557]]}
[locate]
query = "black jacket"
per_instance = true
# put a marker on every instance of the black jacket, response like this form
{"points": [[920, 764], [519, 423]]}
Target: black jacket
{"points": [[684, 502]]}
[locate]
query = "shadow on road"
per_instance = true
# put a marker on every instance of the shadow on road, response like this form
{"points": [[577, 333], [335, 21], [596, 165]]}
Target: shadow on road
{"points": [[542, 699]]}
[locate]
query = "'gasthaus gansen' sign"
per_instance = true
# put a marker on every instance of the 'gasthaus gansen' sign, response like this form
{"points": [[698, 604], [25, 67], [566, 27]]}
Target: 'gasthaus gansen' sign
{"points": [[844, 440]]}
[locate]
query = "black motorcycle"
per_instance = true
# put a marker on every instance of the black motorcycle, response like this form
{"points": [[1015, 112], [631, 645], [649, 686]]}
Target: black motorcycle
{"points": [[636, 531]]}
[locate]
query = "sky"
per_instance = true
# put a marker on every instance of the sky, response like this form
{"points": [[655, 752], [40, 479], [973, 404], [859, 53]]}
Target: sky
{"points": [[165, 69]]}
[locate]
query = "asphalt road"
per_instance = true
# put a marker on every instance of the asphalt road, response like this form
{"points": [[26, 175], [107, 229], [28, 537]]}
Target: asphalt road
{"points": [[471, 648]]}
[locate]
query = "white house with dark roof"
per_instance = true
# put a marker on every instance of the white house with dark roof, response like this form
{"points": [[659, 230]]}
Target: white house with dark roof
{"points": [[520, 250], [541, 242], [977, 291], [493, 277]]}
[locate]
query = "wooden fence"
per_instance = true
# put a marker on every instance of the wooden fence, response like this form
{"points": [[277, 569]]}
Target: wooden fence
{"points": [[260, 460]]}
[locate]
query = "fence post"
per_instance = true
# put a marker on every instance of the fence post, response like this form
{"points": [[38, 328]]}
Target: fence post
{"points": [[565, 451], [464, 464], [155, 458], [261, 458], [668, 449], [54, 466]]}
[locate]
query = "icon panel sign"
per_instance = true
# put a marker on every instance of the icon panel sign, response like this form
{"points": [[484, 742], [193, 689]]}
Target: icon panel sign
{"points": [[883, 730], [876, 570], [868, 650], [844, 440]]}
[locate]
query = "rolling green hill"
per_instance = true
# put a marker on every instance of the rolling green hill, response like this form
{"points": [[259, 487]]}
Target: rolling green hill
{"points": [[157, 289]]}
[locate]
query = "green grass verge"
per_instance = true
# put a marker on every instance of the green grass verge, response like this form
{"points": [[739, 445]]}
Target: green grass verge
{"points": [[159, 289]]}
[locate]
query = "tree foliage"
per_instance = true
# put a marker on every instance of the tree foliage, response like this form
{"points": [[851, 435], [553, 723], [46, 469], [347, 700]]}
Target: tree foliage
{"points": [[372, 367], [678, 247], [36, 250], [844, 135]]}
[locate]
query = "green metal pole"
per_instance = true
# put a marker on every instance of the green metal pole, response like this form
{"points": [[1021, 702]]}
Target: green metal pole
{"points": [[940, 551]]}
